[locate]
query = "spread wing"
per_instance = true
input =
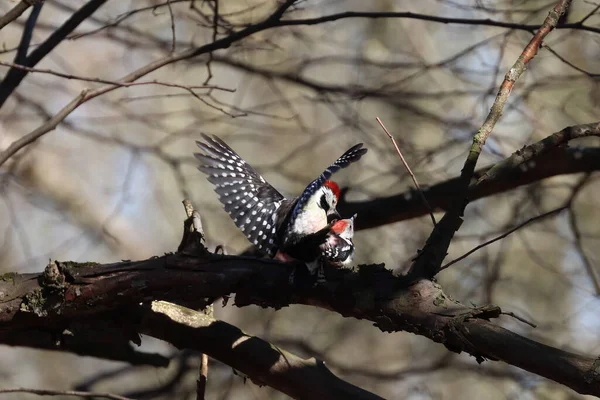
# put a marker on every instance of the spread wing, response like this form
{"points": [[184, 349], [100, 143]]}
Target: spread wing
{"points": [[351, 155], [247, 197]]}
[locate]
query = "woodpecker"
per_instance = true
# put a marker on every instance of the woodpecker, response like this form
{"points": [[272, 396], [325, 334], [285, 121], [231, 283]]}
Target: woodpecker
{"points": [[278, 227], [337, 249]]}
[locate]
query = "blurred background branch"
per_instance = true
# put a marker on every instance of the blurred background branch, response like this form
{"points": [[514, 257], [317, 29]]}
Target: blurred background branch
{"points": [[308, 79]]}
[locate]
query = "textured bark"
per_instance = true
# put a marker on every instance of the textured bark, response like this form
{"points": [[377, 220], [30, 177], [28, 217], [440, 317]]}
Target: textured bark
{"points": [[522, 168], [263, 362], [69, 298]]}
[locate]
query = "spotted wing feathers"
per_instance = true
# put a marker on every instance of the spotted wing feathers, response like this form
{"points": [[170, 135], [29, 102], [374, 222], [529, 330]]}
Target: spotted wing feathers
{"points": [[251, 201]]}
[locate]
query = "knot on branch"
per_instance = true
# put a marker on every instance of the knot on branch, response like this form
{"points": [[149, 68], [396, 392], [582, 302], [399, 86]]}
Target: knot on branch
{"points": [[53, 277], [192, 241]]}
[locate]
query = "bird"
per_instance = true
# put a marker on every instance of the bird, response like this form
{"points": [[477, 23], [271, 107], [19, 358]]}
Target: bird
{"points": [[337, 250], [281, 228], [338, 247]]}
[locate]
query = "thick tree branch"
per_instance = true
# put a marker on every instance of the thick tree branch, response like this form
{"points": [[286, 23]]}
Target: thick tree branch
{"points": [[546, 158], [69, 294], [263, 362], [429, 260]]}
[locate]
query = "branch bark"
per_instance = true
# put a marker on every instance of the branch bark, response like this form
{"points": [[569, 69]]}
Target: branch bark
{"points": [[14, 13], [68, 295], [263, 362], [544, 159]]}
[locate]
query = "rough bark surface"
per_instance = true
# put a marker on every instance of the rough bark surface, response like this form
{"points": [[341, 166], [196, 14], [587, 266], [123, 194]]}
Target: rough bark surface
{"points": [[69, 302]]}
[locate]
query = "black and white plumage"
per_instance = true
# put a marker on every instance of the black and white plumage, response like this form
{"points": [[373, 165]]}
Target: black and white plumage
{"points": [[269, 220], [337, 249]]}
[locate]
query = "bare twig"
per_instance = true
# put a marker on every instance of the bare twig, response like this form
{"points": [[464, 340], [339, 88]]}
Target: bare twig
{"points": [[506, 87], [569, 63], [432, 18], [202, 377], [523, 320], [109, 82], [587, 263], [594, 11], [214, 39], [87, 95], [14, 13], [414, 179], [47, 392], [14, 77], [536, 150], [173, 37], [429, 260], [514, 229]]}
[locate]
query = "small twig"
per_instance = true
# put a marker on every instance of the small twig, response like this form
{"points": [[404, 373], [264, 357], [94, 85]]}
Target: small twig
{"points": [[587, 263], [109, 82], [14, 13], [47, 392], [202, 378], [173, 40], [214, 39], [523, 320], [189, 208], [569, 63], [421, 194], [589, 14], [87, 95], [505, 234]]}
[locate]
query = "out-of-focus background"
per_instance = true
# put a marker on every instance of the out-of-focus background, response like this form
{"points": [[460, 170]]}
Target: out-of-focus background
{"points": [[107, 184]]}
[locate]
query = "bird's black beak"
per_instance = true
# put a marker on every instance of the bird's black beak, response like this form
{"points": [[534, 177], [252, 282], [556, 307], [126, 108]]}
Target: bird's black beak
{"points": [[334, 216]]}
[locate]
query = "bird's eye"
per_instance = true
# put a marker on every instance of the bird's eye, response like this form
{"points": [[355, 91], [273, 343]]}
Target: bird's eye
{"points": [[323, 204]]}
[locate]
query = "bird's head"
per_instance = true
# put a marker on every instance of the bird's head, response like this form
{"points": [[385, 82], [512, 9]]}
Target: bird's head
{"points": [[344, 228], [328, 197]]}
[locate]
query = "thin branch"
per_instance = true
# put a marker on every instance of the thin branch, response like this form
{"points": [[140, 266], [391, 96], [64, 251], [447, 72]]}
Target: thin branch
{"points": [[202, 378], [402, 206], [523, 320], [47, 392], [590, 14], [429, 260], [414, 179], [431, 18], [539, 149], [505, 234], [14, 13], [187, 88], [173, 37], [14, 77], [569, 63], [587, 263], [87, 95], [506, 87]]}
